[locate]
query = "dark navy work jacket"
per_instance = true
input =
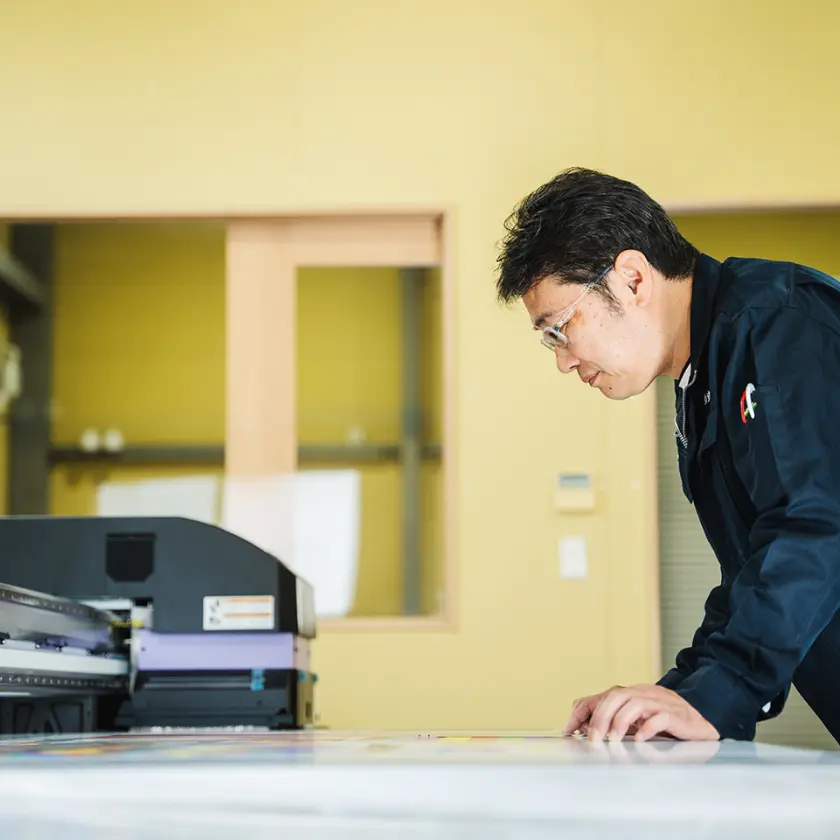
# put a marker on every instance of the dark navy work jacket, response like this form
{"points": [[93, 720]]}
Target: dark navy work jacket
{"points": [[758, 437]]}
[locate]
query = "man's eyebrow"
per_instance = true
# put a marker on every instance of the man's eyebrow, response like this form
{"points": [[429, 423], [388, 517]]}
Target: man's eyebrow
{"points": [[541, 321]]}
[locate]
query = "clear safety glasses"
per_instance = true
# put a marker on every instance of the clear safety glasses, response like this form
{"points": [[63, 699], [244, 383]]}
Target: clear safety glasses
{"points": [[553, 336]]}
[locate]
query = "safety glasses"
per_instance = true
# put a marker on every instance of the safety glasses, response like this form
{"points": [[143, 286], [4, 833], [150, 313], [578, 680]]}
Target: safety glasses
{"points": [[554, 336]]}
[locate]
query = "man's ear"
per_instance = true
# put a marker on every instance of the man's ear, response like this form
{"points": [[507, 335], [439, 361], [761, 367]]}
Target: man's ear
{"points": [[634, 278]]}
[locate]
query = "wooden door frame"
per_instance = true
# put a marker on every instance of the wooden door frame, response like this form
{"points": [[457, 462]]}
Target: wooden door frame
{"points": [[263, 251]]}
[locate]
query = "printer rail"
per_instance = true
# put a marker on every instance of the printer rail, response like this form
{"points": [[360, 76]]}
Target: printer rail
{"points": [[51, 645], [27, 616]]}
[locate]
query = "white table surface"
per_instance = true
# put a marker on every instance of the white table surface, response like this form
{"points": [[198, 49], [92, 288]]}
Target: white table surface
{"points": [[411, 785]]}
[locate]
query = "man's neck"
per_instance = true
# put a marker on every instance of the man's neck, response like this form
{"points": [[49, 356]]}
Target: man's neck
{"points": [[677, 312]]}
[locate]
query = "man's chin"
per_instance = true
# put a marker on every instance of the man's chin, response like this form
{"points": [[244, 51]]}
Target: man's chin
{"points": [[626, 393], [616, 394]]}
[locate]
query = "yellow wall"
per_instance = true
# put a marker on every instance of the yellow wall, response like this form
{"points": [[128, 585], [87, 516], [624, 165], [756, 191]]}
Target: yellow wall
{"points": [[368, 104], [138, 341], [138, 345], [810, 238]]}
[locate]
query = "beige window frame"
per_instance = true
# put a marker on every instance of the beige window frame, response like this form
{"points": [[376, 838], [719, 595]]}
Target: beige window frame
{"points": [[263, 258]]}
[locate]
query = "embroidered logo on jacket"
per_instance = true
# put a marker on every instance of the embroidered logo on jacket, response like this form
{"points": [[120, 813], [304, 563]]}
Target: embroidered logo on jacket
{"points": [[747, 405]]}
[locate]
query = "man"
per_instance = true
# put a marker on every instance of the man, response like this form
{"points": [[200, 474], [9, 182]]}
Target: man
{"points": [[622, 298]]}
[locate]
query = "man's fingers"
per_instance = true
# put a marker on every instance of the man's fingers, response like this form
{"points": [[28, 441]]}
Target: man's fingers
{"points": [[634, 709], [602, 717], [578, 716], [646, 710], [653, 726], [580, 713]]}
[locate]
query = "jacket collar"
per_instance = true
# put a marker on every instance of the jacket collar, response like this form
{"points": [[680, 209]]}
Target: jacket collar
{"points": [[704, 288]]}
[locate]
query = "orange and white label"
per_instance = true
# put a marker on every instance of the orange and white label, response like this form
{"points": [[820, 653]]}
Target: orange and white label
{"points": [[239, 612]]}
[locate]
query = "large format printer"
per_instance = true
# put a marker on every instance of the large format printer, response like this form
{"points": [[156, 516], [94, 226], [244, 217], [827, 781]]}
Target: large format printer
{"points": [[118, 624]]}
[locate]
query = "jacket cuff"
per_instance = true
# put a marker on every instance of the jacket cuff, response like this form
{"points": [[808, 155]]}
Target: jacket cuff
{"points": [[673, 679], [775, 707], [723, 701]]}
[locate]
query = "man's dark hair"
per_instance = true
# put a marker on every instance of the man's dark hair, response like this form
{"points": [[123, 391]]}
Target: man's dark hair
{"points": [[574, 227]]}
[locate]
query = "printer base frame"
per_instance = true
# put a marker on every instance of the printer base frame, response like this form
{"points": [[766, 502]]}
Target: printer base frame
{"points": [[60, 715], [271, 699]]}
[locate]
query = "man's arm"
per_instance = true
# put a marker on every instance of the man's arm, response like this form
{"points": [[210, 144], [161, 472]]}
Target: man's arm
{"points": [[788, 458], [687, 660], [715, 616]]}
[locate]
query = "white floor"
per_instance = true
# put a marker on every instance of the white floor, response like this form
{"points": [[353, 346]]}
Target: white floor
{"points": [[412, 785]]}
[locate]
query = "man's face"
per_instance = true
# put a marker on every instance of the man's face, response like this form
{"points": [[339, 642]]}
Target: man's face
{"points": [[619, 353]]}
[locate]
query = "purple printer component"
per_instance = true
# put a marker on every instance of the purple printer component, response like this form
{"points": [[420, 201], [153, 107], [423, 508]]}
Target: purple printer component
{"points": [[220, 651]]}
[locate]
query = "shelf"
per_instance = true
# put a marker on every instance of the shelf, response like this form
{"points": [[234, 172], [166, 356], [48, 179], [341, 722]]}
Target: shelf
{"points": [[18, 283], [214, 454]]}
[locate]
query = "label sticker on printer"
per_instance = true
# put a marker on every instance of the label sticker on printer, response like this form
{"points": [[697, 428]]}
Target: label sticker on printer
{"points": [[239, 612]]}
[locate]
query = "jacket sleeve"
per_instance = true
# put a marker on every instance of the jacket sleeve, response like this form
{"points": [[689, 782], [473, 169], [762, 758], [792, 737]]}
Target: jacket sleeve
{"points": [[782, 384], [715, 617], [716, 614]]}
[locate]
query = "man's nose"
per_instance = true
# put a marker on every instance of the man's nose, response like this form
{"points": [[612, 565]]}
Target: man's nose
{"points": [[566, 361]]}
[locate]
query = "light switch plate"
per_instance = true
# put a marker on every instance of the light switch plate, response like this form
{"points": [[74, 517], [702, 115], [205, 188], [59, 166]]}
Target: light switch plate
{"points": [[573, 561]]}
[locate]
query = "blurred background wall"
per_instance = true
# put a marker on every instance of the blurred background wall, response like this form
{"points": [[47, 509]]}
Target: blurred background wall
{"points": [[166, 110]]}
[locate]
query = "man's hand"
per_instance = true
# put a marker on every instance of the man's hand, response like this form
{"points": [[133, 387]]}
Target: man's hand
{"points": [[650, 710]]}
